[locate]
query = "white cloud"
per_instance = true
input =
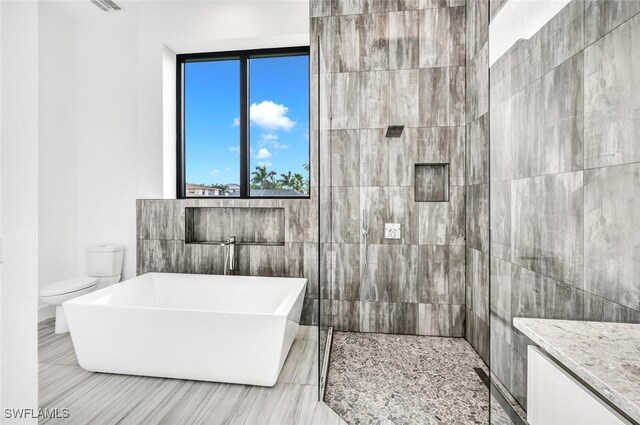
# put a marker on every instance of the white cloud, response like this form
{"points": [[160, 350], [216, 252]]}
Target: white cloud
{"points": [[268, 137], [263, 153], [236, 122], [270, 116], [270, 140], [234, 149], [214, 172], [265, 163], [227, 169]]}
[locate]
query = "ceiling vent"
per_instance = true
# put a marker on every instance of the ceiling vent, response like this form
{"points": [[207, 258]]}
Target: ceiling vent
{"points": [[106, 5]]}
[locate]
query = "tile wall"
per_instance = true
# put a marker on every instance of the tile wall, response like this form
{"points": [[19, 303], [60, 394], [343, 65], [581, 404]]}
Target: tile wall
{"points": [[292, 227], [565, 177], [477, 172], [392, 63]]}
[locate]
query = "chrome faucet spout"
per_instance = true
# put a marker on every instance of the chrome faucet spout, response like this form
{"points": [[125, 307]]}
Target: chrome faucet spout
{"points": [[232, 252], [229, 254]]}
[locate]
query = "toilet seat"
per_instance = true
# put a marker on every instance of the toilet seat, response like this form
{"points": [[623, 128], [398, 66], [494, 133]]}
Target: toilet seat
{"points": [[68, 286]]}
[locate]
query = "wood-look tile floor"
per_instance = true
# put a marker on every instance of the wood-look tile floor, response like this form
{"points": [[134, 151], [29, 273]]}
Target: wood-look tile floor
{"points": [[99, 398]]}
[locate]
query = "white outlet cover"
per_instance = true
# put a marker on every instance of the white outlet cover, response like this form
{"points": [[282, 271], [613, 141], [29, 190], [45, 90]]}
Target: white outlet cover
{"points": [[392, 231]]}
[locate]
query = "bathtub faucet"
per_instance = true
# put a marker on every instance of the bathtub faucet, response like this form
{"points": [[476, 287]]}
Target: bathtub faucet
{"points": [[230, 254]]}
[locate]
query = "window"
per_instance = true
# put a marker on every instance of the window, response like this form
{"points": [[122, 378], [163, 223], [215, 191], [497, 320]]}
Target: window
{"points": [[243, 124]]}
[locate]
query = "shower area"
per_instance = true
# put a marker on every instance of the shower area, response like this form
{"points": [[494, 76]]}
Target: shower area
{"points": [[391, 124], [478, 162]]}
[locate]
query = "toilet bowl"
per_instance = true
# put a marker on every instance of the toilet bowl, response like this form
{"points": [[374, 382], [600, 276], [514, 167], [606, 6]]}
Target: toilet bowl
{"points": [[64, 290], [104, 265]]}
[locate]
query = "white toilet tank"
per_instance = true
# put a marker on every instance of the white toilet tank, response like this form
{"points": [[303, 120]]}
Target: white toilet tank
{"points": [[104, 261]]}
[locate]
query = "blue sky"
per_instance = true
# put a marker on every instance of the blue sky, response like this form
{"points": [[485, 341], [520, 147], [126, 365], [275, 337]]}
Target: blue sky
{"points": [[279, 99]]}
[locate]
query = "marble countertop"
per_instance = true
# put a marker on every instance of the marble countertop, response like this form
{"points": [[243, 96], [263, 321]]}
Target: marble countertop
{"points": [[604, 355]]}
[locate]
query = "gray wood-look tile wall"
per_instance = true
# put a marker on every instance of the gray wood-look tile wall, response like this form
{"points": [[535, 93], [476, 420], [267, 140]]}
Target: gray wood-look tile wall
{"points": [[477, 182], [249, 225], [163, 232], [387, 62], [565, 178], [431, 182]]}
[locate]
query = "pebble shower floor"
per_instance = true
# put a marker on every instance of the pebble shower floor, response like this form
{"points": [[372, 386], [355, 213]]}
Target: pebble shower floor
{"points": [[402, 379]]}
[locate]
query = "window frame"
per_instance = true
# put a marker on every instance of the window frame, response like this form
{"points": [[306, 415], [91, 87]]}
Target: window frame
{"points": [[244, 56]]}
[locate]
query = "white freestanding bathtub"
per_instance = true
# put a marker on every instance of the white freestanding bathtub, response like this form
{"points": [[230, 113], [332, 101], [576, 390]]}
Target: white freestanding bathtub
{"points": [[203, 327]]}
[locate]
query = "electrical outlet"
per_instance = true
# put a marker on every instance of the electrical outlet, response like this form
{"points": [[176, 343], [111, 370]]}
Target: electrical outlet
{"points": [[392, 231]]}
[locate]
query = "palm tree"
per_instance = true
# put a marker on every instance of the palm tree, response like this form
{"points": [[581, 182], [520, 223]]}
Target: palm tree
{"points": [[299, 183], [259, 177], [263, 179], [287, 180], [306, 167]]}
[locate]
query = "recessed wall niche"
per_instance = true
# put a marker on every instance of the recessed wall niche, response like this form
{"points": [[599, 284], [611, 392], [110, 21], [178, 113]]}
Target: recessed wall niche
{"points": [[431, 182], [251, 226]]}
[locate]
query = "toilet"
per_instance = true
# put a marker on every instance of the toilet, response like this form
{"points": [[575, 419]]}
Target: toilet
{"points": [[104, 266]]}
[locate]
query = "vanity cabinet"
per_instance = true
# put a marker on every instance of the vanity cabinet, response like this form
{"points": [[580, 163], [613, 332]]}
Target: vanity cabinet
{"points": [[557, 398]]}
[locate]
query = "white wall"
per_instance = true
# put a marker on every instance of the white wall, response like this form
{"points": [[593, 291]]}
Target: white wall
{"points": [[19, 206], [107, 136], [123, 150], [1, 241], [519, 19], [57, 153], [169, 125]]}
